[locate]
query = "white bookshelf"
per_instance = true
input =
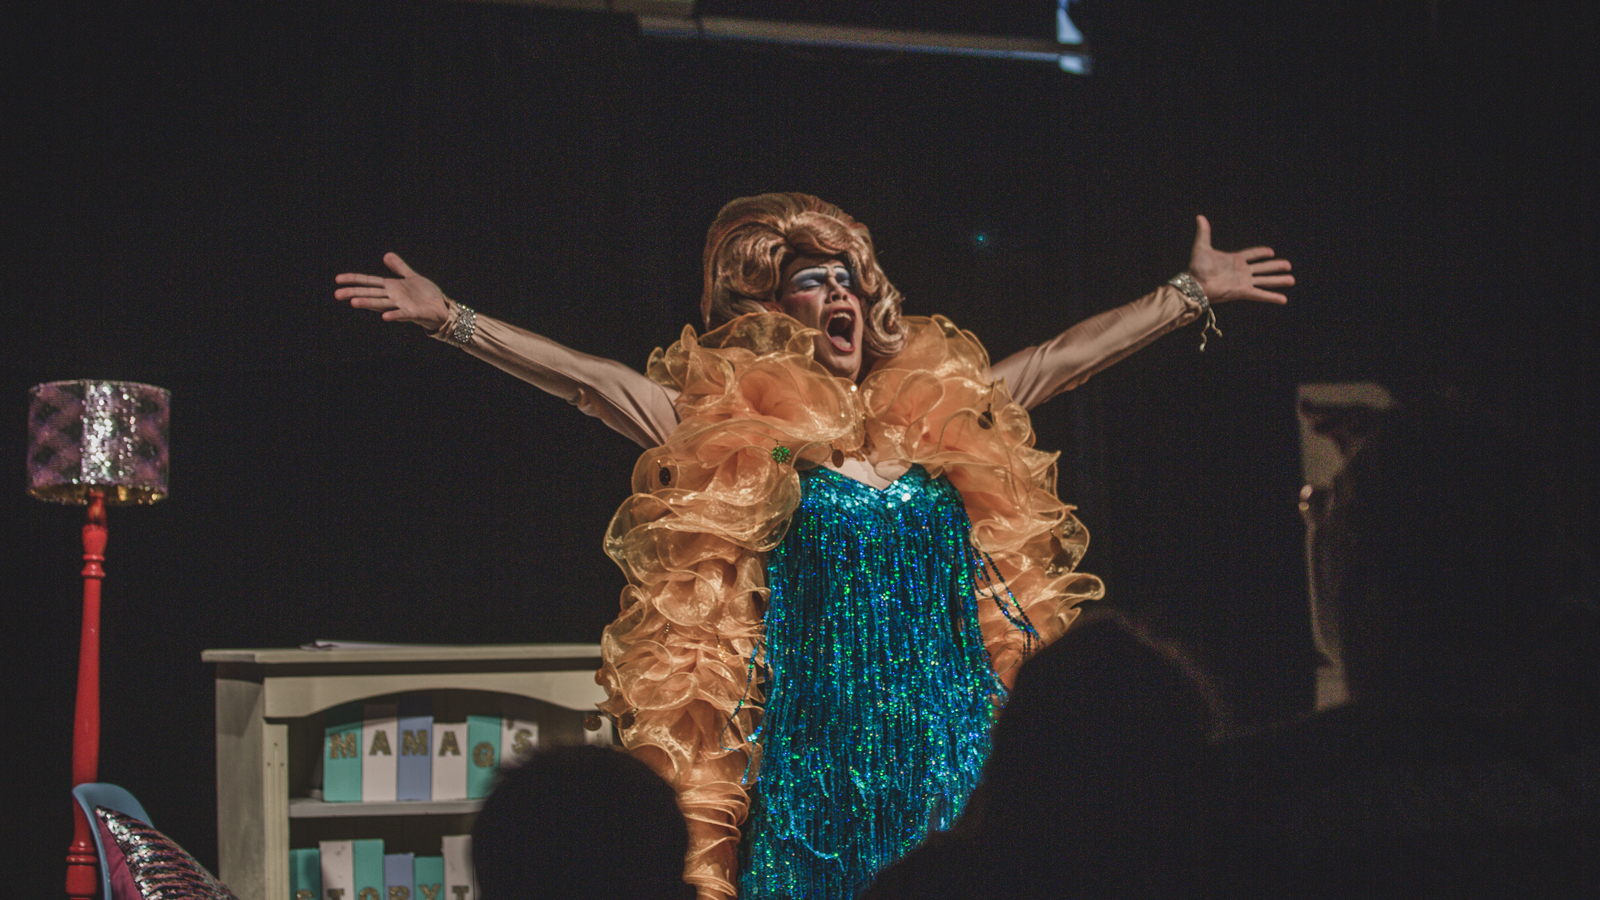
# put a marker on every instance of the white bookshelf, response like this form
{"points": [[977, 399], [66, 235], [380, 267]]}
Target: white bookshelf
{"points": [[270, 704]]}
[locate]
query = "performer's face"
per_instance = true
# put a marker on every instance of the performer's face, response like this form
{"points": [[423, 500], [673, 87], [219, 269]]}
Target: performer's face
{"points": [[820, 293]]}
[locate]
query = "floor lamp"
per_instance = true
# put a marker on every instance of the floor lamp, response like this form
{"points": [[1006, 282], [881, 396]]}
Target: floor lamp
{"points": [[94, 443]]}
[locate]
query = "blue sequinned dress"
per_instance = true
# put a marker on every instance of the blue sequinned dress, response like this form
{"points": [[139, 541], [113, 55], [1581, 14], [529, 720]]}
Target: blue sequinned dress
{"points": [[880, 690]]}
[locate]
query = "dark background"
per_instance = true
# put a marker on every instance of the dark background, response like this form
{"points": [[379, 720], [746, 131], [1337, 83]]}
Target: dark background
{"points": [[183, 181]]}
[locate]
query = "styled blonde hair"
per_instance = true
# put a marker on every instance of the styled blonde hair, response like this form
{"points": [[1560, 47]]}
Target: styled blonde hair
{"points": [[753, 238]]}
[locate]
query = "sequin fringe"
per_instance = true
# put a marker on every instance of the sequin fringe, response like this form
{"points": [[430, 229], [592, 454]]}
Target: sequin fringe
{"points": [[989, 573], [879, 701]]}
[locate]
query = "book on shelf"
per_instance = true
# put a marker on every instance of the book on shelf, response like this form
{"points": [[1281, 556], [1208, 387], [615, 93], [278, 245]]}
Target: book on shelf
{"points": [[305, 874], [413, 768], [378, 752], [483, 757], [405, 875], [378, 733], [366, 856], [341, 759], [449, 761], [336, 865], [399, 876], [518, 739], [460, 882], [428, 874]]}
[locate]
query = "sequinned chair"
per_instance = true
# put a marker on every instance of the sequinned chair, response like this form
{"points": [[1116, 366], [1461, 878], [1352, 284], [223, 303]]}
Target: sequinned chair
{"points": [[98, 793]]}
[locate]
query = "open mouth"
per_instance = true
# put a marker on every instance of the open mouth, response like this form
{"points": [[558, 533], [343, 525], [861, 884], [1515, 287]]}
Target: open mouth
{"points": [[841, 330]]}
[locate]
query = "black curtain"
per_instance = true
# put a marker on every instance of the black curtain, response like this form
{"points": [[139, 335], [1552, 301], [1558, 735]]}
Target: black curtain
{"points": [[187, 179]]}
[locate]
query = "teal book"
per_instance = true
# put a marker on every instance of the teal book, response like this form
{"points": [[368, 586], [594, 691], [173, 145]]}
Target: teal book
{"points": [[483, 757], [341, 761], [399, 876], [428, 872], [367, 856], [305, 874]]}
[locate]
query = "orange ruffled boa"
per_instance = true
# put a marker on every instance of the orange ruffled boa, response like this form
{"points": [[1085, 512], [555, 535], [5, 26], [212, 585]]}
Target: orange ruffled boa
{"points": [[709, 504]]}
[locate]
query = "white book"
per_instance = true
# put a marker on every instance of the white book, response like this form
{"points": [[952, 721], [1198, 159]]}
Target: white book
{"points": [[449, 762], [460, 881], [338, 864], [380, 732], [518, 739]]}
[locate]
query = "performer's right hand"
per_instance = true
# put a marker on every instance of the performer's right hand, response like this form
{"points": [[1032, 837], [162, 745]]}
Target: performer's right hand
{"points": [[409, 298]]}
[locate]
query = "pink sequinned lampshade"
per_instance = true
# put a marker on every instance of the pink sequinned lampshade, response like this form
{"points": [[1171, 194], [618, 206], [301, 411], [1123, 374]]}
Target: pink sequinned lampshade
{"points": [[110, 435]]}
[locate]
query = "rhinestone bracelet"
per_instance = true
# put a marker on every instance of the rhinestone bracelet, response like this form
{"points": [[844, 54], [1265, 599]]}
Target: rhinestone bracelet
{"points": [[1198, 301], [466, 325]]}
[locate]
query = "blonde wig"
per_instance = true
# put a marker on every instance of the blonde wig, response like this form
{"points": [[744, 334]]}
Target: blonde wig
{"points": [[753, 238]]}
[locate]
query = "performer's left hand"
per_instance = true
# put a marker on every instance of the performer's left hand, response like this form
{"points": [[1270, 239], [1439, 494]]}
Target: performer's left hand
{"points": [[1236, 276]]}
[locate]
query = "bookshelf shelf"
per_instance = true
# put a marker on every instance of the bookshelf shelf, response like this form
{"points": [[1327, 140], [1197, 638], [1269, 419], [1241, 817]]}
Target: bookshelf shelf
{"points": [[310, 808], [270, 706]]}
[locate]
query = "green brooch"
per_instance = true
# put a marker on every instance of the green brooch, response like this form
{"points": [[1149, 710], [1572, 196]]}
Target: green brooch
{"points": [[780, 454]]}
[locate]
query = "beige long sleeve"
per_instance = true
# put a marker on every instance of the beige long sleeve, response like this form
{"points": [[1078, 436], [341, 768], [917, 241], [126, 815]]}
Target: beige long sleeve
{"points": [[643, 411], [617, 395], [1038, 373]]}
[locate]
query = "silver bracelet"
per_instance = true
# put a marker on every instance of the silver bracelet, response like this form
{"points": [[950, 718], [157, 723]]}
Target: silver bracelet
{"points": [[1198, 301], [466, 326]]}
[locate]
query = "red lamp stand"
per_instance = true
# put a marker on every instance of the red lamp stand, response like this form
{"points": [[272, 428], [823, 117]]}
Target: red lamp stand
{"points": [[83, 879]]}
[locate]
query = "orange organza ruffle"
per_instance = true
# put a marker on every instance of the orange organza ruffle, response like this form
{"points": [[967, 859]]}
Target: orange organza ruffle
{"points": [[933, 405], [709, 503]]}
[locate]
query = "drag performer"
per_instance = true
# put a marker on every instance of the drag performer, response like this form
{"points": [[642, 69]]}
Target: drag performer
{"points": [[841, 541]]}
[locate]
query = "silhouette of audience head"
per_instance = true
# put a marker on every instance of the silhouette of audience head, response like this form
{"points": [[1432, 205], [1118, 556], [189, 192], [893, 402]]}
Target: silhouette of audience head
{"points": [[1469, 648], [1103, 699], [1086, 789], [1453, 588], [581, 823], [1094, 764]]}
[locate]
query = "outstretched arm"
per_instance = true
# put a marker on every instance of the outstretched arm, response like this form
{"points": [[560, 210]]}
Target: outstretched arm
{"points": [[624, 399], [1038, 373]]}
